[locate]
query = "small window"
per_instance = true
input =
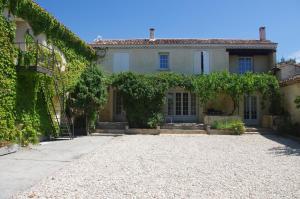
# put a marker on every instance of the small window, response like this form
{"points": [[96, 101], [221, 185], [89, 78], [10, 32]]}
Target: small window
{"points": [[164, 61], [245, 65]]}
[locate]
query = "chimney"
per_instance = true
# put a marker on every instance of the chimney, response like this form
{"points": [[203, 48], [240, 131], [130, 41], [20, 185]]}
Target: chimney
{"points": [[262, 33], [151, 31]]}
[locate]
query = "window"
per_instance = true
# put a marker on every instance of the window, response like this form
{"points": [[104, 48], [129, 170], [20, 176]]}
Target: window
{"points": [[178, 103], [245, 65], [185, 103], [164, 61]]}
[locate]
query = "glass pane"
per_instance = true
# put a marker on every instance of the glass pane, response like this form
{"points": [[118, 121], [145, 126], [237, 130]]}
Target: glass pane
{"points": [[185, 103], [164, 61], [193, 104], [245, 64], [170, 104], [178, 103]]}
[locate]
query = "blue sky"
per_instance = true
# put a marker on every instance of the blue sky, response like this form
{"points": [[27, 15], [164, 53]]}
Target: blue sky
{"points": [[183, 19]]}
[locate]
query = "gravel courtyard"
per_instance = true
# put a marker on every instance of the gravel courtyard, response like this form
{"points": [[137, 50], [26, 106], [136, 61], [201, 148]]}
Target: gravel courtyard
{"points": [[179, 166]]}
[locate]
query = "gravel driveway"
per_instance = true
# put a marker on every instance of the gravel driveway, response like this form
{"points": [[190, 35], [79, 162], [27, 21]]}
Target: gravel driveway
{"points": [[177, 166]]}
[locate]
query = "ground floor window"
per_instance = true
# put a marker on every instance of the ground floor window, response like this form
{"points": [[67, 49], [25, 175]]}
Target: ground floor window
{"points": [[181, 103]]}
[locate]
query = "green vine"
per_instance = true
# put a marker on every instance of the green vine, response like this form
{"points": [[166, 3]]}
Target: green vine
{"points": [[8, 132], [143, 95], [24, 109]]}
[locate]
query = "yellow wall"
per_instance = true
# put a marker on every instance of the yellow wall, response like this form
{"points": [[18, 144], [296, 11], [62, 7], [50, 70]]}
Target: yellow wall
{"points": [[290, 93], [181, 59], [106, 114], [261, 63]]}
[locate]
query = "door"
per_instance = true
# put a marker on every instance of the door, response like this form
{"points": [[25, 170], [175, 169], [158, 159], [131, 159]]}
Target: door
{"points": [[181, 107], [119, 113], [250, 110]]}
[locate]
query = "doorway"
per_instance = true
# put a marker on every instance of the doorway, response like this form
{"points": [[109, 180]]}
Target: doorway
{"points": [[250, 110]]}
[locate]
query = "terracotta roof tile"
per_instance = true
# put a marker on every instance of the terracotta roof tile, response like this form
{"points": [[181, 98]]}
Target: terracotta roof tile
{"points": [[292, 80], [178, 42]]}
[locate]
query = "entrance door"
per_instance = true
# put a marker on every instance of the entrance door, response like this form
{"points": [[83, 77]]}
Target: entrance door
{"points": [[119, 113], [250, 110]]}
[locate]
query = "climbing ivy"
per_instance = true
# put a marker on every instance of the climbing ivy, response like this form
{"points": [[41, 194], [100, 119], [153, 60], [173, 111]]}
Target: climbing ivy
{"points": [[24, 109], [8, 132], [143, 95], [43, 22]]}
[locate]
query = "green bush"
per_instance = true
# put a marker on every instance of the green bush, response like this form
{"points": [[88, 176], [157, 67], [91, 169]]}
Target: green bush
{"points": [[235, 125], [90, 94], [143, 97]]}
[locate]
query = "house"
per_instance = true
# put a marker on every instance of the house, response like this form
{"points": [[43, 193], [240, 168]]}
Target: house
{"points": [[188, 56], [289, 76]]}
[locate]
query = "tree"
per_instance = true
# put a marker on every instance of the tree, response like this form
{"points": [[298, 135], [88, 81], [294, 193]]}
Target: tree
{"points": [[90, 94]]}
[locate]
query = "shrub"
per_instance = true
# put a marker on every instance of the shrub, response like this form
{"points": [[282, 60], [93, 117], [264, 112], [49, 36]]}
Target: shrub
{"points": [[237, 126], [143, 97], [90, 94]]}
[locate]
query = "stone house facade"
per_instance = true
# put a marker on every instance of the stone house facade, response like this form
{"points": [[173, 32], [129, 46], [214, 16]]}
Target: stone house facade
{"points": [[188, 56]]}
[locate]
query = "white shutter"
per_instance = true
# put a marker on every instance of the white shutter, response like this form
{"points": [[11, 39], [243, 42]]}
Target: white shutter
{"points": [[197, 62], [120, 62], [206, 62]]}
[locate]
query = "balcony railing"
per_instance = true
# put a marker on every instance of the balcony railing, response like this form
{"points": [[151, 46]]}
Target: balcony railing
{"points": [[36, 56]]}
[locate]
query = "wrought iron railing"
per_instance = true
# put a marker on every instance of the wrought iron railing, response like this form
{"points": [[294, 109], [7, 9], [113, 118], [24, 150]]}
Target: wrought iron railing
{"points": [[35, 54]]}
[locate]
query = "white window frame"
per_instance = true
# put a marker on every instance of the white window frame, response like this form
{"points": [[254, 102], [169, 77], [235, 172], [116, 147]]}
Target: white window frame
{"points": [[242, 71], [190, 111]]}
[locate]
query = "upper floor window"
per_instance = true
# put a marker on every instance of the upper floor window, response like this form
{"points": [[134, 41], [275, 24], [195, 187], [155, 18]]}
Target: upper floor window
{"points": [[164, 61], [245, 65]]}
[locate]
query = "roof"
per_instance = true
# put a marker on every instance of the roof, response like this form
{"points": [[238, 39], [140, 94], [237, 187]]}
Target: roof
{"points": [[188, 42], [282, 65], [292, 80]]}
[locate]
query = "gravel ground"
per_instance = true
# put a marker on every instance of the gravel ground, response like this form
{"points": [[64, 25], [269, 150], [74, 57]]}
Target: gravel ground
{"points": [[177, 166]]}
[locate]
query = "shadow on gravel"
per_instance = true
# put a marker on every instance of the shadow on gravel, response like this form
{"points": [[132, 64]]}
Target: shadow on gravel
{"points": [[291, 147], [107, 135]]}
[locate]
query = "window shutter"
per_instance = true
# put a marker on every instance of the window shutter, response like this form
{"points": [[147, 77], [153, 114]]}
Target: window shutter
{"points": [[197, 62], [206, 62], [120, 62]]}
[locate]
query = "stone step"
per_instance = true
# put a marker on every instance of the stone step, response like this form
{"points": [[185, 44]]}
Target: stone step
{"points": [[254, 130], [109, 131], [111, 125], [183, 126], [181, 131]]}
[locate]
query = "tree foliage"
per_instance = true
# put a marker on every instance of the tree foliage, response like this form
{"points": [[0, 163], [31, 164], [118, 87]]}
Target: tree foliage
{"points": [[144, 95], [90, 93]]}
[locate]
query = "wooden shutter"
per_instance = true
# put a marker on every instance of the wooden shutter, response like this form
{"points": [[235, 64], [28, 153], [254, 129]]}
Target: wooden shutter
{"points": [[206, 62], [120, 62], [197, 62]]}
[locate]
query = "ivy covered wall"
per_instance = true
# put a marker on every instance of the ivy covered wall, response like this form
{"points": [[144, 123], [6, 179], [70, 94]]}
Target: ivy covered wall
{"points": [[24, 110], [7, 78]]}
